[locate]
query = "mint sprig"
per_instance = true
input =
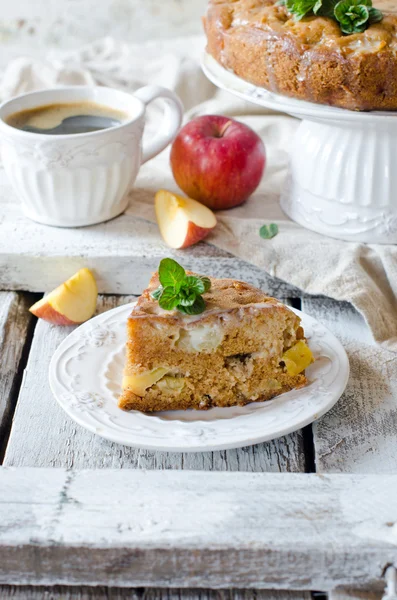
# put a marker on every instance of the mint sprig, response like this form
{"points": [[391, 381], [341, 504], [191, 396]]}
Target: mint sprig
{"points": [[353, 16], [179, 290], [300, 8]]}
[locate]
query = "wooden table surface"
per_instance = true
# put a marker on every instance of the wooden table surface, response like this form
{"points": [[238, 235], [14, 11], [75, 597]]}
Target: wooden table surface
{"points": [[356, 436]]}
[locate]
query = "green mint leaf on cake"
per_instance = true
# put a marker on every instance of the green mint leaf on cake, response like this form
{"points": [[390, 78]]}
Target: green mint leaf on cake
{"points": [[300, 8], [375, 15], [268, 231], [187, 296], [157, 293], [194, 283], [325, 8], [199, 284], [194, 309], [171, 274], [169, 298], [179, 290], [353, 15], [207, 283]]}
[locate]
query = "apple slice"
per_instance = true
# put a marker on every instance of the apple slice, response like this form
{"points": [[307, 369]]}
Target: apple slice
{"points": [[182, 221], [73, 302]]}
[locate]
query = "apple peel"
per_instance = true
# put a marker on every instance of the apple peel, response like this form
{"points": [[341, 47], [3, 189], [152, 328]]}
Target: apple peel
{"points": [[71, 303], [218, 161]]}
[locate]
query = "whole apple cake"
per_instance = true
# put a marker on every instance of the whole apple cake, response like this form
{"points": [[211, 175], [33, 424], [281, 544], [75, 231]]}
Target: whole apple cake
{"points": [[232, 345], [309, 57]]}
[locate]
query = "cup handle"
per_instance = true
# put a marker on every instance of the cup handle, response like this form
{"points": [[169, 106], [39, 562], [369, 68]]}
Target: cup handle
{"points": [[169, 126]]}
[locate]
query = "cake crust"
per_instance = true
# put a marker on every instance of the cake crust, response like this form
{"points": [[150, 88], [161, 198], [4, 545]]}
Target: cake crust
{"points": [[224, 295], [229, 354], [309, 59]]}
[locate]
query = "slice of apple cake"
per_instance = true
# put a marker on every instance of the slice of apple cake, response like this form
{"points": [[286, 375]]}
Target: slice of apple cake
{"points": [[198, 342]]}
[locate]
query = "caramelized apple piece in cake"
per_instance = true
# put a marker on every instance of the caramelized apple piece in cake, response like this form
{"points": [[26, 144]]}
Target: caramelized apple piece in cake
{"points": [[243, 347]]}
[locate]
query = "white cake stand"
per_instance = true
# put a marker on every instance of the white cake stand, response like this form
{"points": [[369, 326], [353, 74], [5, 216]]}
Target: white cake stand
{"points": [[343, 164]]}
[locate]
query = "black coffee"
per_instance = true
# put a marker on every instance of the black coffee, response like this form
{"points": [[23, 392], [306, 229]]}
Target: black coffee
{"points": [[66, 119]]}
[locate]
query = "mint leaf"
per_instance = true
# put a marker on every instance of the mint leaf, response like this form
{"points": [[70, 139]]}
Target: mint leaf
{"points": [[325, 8], [187, 296], [207, 283], [195, 284], [157, 293], [317, 7], [194, 309], [300, 8], [171, 274], [353, 15], [268, 231], [169, 298], [375, 15]]}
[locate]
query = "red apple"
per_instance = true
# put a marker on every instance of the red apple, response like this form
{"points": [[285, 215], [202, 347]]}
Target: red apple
{"points": [[182, 221], [218, 161], [71, 303]]}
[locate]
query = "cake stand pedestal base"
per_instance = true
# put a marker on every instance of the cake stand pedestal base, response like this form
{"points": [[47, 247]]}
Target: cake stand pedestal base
{"points": [[343, 164], [343, 180]]}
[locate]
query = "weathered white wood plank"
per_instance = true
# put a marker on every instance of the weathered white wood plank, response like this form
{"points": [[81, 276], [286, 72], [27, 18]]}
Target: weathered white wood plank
{"points": [[14, 325], [389, 592], [101, 593], [43, 435], [122, 252], [190, 528], [359, 434]]}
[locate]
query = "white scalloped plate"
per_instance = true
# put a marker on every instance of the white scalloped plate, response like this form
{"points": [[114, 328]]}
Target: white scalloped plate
{"points": [[86, 371]]}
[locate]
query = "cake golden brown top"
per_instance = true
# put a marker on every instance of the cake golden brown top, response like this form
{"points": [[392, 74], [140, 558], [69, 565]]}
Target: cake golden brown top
{"points": [[268, 15], [310, 59], [224, 295]]}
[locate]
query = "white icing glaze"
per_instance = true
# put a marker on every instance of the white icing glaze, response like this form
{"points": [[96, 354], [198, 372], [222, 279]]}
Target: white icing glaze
{"points": [[188, 319], [365, 44]]}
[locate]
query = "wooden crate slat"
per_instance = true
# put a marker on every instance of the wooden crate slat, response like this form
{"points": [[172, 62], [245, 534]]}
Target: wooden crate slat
{"points": [[123, 253], [102, 593], [43, 435], [129, 527], [359, 434], [14, 325]]}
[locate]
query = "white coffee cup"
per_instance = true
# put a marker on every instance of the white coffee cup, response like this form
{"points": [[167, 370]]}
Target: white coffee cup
{"points": [[82, 179]]}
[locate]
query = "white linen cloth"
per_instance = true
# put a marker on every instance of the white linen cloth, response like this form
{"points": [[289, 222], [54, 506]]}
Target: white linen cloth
{"points": [[365, 275]]}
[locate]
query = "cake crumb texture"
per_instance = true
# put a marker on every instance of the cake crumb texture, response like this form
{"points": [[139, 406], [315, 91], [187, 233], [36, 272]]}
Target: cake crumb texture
{"points": [[231, 354]]}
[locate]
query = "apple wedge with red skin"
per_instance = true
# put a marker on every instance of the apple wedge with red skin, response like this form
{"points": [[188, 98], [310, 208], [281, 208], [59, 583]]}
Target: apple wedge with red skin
{"points": [[217, 161], [182, 221], [71, 303]]}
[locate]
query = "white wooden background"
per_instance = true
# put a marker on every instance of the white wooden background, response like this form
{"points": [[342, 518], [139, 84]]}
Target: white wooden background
{"points": [[357, 436], [34, 26]]}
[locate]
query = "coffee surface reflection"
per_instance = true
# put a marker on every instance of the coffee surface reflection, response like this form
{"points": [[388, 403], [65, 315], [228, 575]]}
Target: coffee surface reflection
{"points": [[67, 119]]}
